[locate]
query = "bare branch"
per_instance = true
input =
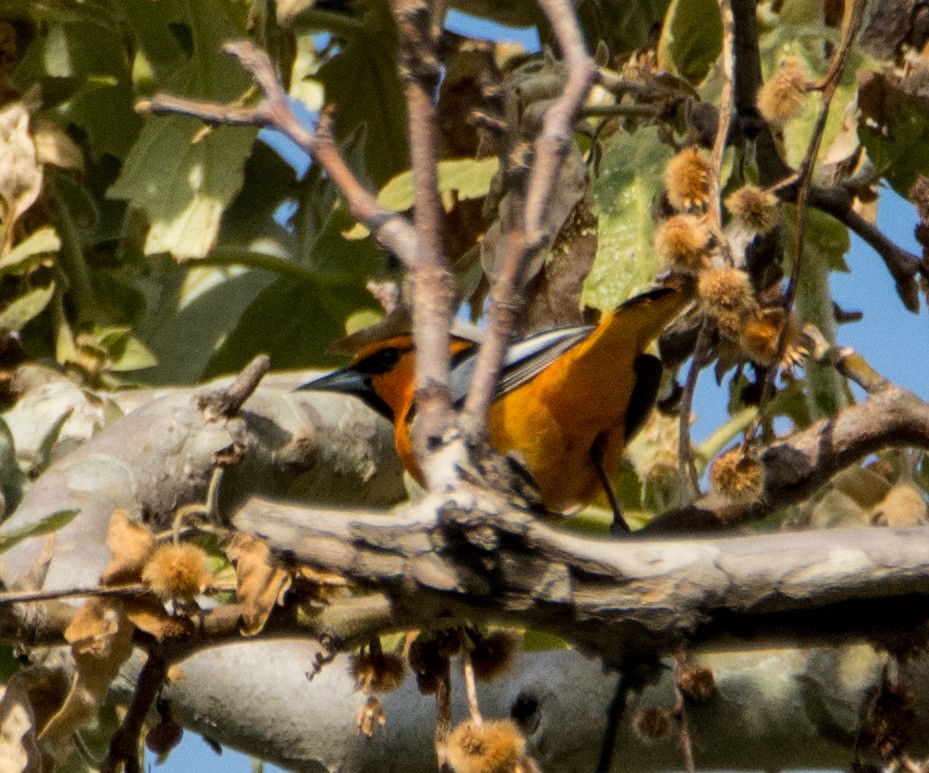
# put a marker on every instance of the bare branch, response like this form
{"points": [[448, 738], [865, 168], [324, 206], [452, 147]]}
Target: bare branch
{"points": [[527, 234], [726, 101], [434, 291], [621, 599], [392, 230], [854, 13]]}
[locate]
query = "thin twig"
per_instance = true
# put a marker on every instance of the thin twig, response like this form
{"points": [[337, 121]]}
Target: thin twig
{"points": [[124, 746], [680, 716], [726, 101], [854, 13], [613, 717], [392, 230], [527, 234], [443, 714], [27, 597], [467, 670], [687, 469]]}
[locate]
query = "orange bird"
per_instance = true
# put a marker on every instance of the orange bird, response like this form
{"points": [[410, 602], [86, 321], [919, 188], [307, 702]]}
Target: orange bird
{"points": [[568, 399]]}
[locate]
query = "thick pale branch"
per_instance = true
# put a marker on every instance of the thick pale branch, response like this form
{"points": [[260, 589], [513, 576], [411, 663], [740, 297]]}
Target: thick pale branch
{"points": [[621, 599]]}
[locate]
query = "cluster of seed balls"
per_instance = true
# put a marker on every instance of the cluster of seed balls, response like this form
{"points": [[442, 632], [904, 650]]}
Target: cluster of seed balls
{"points": [[686, 243]]}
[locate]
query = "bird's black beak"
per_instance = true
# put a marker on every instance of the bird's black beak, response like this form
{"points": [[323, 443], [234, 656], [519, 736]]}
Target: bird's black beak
{"points": [[346, 380], [349, 381]]}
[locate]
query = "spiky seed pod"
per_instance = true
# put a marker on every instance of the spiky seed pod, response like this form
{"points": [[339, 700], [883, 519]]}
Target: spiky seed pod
{"points": [[163, 737], [888, 719], [493, 654], [729, 324], [496, 746], [652, 723], [177, 572], [737, 476], [781, 97], [683, 243], [754, 208], [687, 179], [758, 338], [377, 671], [725, 290], [696, 683]]}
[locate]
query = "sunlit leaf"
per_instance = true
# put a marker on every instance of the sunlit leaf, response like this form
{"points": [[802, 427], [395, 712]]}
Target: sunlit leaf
{"points": [[691, 38], [184, 185], [26, 307], [46, 525], [34, 248], [631, 177]]}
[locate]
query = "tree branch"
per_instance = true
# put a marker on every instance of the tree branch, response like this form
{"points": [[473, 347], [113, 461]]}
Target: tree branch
{"points": [[392, 230], [468, 558], [527, 234]]}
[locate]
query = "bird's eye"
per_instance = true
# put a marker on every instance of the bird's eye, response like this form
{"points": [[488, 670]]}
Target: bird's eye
{"points": [[387, 358]]}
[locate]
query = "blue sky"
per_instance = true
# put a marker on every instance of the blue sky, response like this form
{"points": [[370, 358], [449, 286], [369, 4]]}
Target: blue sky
{"points": [[893, 340]]}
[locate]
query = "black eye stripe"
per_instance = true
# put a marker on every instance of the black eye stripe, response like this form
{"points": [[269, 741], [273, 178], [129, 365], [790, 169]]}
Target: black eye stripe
{"points": [[380, 361]]}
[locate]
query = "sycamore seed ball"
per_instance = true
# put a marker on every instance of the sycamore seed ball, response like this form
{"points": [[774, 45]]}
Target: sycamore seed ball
{"points": [[177, 572], [495, 746], [687, 180], [737, 476], [652, 723], [725, 290], [683, 243], [754, 208], [782, 97]]}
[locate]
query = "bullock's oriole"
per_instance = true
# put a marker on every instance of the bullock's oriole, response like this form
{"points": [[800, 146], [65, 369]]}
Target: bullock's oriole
{"points": [[567, 399]]}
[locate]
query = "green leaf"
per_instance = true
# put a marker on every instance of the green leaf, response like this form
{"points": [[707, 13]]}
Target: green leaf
{"points": [[469, 177], [91, 58], [294, 323], [12, 478], [47, 525], [31, 250], [131, 354], [691, 38], [361, 81], [184, 186], [43, 454], [25, 308], [189, 311], [632, 176]]}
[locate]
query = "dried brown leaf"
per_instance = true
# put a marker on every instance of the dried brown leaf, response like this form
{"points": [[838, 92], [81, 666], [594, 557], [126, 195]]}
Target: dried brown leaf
{"points": [[260, 585], [370, 716], [19, 749], [101, 641], [131, 544]]}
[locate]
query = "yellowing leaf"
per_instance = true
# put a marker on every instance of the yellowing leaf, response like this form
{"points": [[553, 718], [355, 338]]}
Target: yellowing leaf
{"points": [[31, 249], [468, 177], [20, 171]]}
